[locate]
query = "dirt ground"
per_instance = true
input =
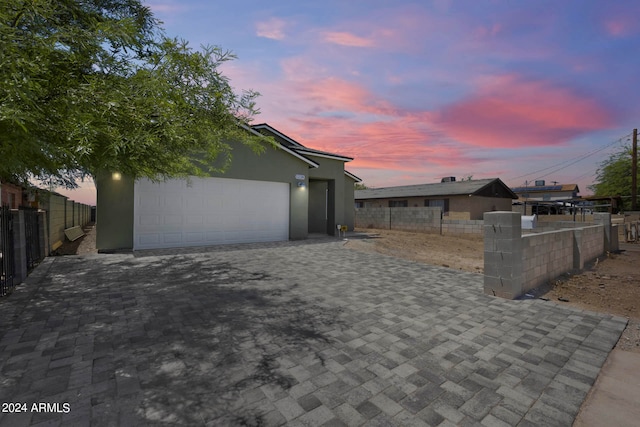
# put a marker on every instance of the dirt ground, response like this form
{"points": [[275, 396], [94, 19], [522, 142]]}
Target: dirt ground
{"points": [[84, 245], [610, 285]]}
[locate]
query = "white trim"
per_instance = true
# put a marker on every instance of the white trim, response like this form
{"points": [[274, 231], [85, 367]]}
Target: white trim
{"points": [[280, 134], [352, 176], [327, 156], [293, 153]]}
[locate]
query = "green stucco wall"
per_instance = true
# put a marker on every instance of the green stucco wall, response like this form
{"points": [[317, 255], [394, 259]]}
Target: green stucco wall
{"points": [[349, 203], [115, 199], [333, 170], [114, 213]]}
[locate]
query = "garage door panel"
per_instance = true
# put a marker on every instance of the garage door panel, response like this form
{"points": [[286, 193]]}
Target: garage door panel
{"points": [[209, 211]]}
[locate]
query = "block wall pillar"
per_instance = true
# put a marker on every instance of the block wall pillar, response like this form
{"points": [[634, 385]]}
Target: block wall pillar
{"points": [[604, 219], [503, 249], [19, 247]]}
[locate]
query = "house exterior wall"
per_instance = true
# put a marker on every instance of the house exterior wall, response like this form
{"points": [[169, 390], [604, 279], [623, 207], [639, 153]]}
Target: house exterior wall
{"points": [[317, 206], [114, 212], [480, 205], [349, 198], [333, 170], [115, 199], [11, 195]]}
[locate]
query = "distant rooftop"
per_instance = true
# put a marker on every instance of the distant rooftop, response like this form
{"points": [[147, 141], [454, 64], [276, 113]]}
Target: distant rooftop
{"points": [[453, 188]]}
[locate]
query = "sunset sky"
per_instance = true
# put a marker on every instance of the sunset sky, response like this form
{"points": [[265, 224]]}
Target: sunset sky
{"points": [[415, 91]]}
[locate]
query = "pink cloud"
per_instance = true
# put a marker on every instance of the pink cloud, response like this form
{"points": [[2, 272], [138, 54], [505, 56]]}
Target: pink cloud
{"points": [[511, 112], [620, 26], [400, 144], [271, 29], [347, 39]]}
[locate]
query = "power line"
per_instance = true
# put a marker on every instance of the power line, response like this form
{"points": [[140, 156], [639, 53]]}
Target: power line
{"points": [[577, 159]]}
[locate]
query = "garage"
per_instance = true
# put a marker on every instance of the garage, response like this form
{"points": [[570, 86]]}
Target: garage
{"points": [[209, 211]]}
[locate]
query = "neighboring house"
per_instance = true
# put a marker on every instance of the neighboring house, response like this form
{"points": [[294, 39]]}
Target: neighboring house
{"points": [[285, 193], [540, 192], [464, 200], [12, 195], [546, 199]]}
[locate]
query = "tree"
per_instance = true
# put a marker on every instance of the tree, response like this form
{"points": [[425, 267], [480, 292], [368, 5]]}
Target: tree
{"points": [[95, 85], [613, 177], [360, 186]]}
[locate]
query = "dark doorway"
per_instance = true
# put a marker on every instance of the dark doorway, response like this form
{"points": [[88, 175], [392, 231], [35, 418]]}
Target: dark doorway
{"points": [[322, 206]]}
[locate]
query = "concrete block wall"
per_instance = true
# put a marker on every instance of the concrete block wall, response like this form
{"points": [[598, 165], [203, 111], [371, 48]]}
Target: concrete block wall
{"points": [[57, 220], [515, 264], [423, 219], [546, 256], [591, 245], [69, 214], [373, 218], [503, 254], [77, 214], [458, 226]]}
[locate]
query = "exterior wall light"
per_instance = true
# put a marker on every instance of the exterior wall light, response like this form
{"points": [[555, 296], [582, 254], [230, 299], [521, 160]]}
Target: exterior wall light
{"points": [[301, 184], [116, 176]]}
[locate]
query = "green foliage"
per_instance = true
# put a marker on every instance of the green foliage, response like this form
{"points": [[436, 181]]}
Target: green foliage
{"points": [[613, 178], [94, 85], [360, 186]]}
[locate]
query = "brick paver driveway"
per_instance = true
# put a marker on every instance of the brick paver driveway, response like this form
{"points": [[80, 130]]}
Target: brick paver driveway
{"points": [[296, 334]]}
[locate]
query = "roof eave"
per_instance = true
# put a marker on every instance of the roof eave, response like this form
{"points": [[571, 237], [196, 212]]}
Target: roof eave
{"points": [[327, 156], [352, 176], [285, 149]]}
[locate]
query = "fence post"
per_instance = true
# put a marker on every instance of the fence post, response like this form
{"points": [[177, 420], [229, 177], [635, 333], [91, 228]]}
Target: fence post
{"points": [[604, 218], [19, 246], [43, 233], [503, 250]]}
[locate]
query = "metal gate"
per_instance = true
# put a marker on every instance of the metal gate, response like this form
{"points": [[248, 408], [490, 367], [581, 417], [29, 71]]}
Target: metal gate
{"points": [[32, 236], [6, 251]]}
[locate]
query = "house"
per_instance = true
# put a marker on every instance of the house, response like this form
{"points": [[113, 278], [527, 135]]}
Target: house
{"points": [[12, 195], [286, 193], [547, 193], [546, 199], [463, 200]]}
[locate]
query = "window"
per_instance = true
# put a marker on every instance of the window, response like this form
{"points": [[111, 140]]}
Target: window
{"points": [[398, 203], [438, 203], [360, 204]]}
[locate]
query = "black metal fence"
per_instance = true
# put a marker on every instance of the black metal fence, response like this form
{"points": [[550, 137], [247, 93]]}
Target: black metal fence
{"points": [[32, 237], [6, 251]]}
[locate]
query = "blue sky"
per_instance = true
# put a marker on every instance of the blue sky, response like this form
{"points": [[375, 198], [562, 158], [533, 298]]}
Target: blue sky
{"points": [[414, 91]]}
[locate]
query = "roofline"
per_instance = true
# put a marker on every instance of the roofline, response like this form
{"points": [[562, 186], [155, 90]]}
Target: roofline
{"points": [[282, 147], [489, 181], [300, 147], [514, 196], [325, 155], [352, 176], [280, 134]]}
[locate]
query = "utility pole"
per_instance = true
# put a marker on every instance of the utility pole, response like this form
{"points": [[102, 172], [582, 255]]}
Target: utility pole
{"points": [[634, 170]]}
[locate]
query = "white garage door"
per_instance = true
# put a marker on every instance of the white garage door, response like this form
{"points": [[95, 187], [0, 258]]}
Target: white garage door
{"points": [[209, 211]]}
